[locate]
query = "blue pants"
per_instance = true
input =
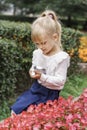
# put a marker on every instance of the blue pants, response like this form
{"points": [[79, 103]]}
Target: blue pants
{"points": [[34, 95]]}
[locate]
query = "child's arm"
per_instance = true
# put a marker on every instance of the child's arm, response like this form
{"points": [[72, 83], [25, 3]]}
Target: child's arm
{"points": [[56, 82], [34, 71]]}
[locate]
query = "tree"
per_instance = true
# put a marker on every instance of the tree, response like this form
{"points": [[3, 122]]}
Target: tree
{"points": [[66, 8], [3, 6], [72, 9], [25, 6], [69, 9]]}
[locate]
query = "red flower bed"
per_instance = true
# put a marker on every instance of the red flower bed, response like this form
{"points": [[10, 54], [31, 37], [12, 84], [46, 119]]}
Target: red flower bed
{"points": [[62, 114]]}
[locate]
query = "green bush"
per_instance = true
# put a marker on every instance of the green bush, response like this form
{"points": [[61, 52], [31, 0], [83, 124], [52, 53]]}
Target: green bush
{"points": [[14, 66], [17, 18], [10, 58], [71, 43], [4, 110], [20, 32]]}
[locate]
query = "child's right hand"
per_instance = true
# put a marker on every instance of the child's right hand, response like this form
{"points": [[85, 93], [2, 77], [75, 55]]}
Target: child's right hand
{"points": [[35, 74], [32, 73]]}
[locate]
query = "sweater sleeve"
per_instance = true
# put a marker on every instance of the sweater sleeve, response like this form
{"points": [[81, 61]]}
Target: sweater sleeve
{"points": [[36, 58], [56, 82]]}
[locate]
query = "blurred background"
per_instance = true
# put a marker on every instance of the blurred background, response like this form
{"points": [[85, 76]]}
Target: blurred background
{"points": [[73, 13]]}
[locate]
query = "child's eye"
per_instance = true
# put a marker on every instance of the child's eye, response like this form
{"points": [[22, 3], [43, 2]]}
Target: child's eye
{"points": [[36, 44], [44, 42]]}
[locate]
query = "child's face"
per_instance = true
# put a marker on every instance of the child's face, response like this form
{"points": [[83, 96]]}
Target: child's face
{"points": [[46, 43]]}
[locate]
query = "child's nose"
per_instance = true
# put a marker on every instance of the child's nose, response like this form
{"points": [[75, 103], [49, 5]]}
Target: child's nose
{"points": [[41, 46]]}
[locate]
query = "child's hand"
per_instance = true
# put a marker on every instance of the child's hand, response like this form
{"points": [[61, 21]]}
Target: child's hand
{"points": [[35, 74]]}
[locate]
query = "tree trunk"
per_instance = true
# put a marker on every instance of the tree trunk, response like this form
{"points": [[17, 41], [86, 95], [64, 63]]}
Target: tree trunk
{"points": [[69, 21], [14, 9]]}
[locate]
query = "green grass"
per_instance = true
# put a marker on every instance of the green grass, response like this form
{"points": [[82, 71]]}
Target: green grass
{"points": [[4, 110], [74, 86]]}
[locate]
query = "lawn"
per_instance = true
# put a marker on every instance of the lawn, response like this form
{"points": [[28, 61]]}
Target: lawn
{"points": [[74, 85]]}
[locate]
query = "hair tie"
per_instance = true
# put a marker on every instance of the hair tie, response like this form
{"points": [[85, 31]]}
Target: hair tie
{"points": [[51, 15]]}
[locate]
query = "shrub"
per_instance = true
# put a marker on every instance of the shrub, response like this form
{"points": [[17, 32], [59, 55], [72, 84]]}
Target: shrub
{"points": [[71, 43], [18, 34], [14, 66], [10, 57], [4, 110]]}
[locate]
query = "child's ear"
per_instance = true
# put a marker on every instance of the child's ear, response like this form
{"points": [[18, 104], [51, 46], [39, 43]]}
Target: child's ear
{"points": [[55, 37]]}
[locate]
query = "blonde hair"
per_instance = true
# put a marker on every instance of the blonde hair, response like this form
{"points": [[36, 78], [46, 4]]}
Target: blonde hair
{"points": [[46, 23]]}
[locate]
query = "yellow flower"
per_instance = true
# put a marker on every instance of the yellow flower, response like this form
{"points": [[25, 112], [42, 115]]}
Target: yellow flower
{"points": [[83, 49]]}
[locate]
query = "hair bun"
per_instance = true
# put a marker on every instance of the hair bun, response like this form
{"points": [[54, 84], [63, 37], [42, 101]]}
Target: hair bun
{"points": [[49, 13]]}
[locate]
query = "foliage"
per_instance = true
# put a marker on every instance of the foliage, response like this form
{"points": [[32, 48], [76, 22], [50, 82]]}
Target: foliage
{"points": [[19, 18], [74, 85], [10, 58], [16, 53], [83, 49], [3, 6], [4, 110], [25, 6], [20, 33], [62, 114], [70, 41], [64, 8], [68, 7]]}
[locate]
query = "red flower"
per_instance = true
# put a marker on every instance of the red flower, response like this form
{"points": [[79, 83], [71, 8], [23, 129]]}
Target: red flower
{"points": [[61, 114]]}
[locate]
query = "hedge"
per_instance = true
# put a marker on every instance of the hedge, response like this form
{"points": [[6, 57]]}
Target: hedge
{"points": [[10, 58]]}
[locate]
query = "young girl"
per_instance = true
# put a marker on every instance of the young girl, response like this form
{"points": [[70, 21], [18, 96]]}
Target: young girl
{"points": [[49, 63]]}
